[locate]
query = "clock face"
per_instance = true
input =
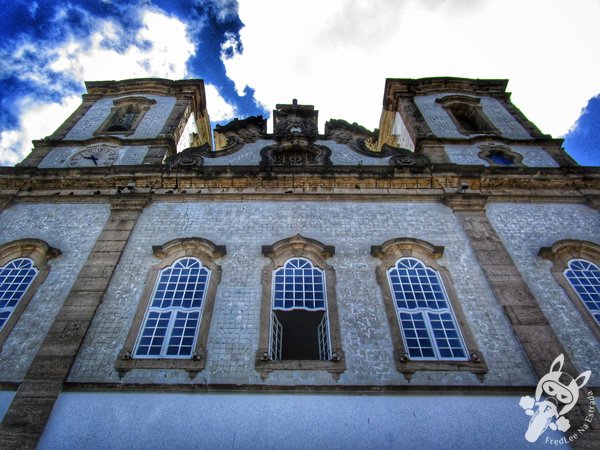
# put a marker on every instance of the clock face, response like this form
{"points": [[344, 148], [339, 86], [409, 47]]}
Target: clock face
{"points": [[94, 157]]}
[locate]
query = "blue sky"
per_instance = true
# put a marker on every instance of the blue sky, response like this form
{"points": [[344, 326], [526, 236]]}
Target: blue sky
{"points": [[334, 54]]}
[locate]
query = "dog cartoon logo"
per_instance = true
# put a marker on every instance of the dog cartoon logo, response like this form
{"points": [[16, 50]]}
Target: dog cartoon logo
{"points": [[556, 394]]}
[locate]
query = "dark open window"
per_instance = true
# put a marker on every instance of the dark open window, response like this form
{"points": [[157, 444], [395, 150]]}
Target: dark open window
{"points": [[467, 114], [299, 316], [125, 115], [299, 319]]}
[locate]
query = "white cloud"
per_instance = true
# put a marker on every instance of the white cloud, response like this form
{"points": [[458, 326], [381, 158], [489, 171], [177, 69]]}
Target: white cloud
{"points": [[166, 57], [337, 54], [37, 120], [217, 107]]}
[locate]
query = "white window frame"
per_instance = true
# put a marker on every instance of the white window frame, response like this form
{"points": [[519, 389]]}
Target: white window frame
{"points": [[173, 317], [325, 353], [4, 285], [595, 314], [425, 312]]}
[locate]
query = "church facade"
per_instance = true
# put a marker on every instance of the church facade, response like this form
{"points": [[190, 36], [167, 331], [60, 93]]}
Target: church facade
{"points": [[162, 285]]}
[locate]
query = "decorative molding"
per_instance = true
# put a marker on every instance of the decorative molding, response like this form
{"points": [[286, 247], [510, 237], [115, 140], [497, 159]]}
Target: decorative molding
{"points": [[295, 155], [297, 245], [234, 135], [406, 158], [294, 123], [130, 202], [191, 158], [183, 246], [488, 150], [466, 201], [405, 246]]}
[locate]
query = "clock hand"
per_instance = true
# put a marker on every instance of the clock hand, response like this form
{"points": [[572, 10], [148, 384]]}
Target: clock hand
{"points": [[93, 158]]}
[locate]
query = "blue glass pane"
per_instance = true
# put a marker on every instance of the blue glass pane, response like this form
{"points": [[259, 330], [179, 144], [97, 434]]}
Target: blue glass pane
{"points": [[584, 276], [15, 278], [174, 312], [300, 281], [418, 292]]}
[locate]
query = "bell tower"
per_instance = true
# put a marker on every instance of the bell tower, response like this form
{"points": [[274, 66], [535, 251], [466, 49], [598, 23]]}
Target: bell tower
{"points": [[464, 121], [129, 122]]}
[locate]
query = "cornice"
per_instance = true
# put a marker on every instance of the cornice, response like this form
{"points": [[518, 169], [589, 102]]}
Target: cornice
{"points": [[375, 183], [406, 87]]}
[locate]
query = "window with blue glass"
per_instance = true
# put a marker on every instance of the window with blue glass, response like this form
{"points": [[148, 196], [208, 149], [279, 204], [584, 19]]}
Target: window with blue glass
{"points": [[170, 327], [299, 320], [15, 278], [501, 158], [427, 322], [584, 277]]}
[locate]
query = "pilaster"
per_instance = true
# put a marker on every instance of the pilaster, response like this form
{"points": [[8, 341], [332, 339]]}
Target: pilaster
{"points": [[30, 409], [531, 327], [5, 203]]}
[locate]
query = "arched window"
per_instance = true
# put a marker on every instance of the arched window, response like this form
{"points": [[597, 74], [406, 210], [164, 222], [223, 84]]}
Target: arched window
{"points": [[576, 267], [23, 267], [584, 277], [124, 118], [299, 323], [425, 315], [299, 317], [467, 114], [428, 327], [15, 278], [172, 321], [170, 327], [125, 115]]}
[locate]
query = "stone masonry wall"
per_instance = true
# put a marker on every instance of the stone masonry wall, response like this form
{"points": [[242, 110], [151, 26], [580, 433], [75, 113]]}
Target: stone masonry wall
{"points": [[524, 229], [71, 228], [352, 228]]}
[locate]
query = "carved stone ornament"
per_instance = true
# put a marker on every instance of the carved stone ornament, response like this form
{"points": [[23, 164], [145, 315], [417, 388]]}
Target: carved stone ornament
{"points": [[344, 132], [295, 155], [405, 158], [357, 137], [233, 136], [295, 122], [190, 158], [295, 130]]}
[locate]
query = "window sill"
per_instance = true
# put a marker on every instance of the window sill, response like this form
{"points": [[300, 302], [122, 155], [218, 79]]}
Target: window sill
{"points": [[335, 367], [114, 133], [476, 365], [194, 365]]}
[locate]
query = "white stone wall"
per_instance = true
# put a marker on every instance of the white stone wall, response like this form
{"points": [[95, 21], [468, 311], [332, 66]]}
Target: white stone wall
{"points": [[442, 125], [352, 228], [288, 421], [190, 128], [72, 228], [127, 155], [468, 155], [149, 127], [399, 130], [524, 229]]}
